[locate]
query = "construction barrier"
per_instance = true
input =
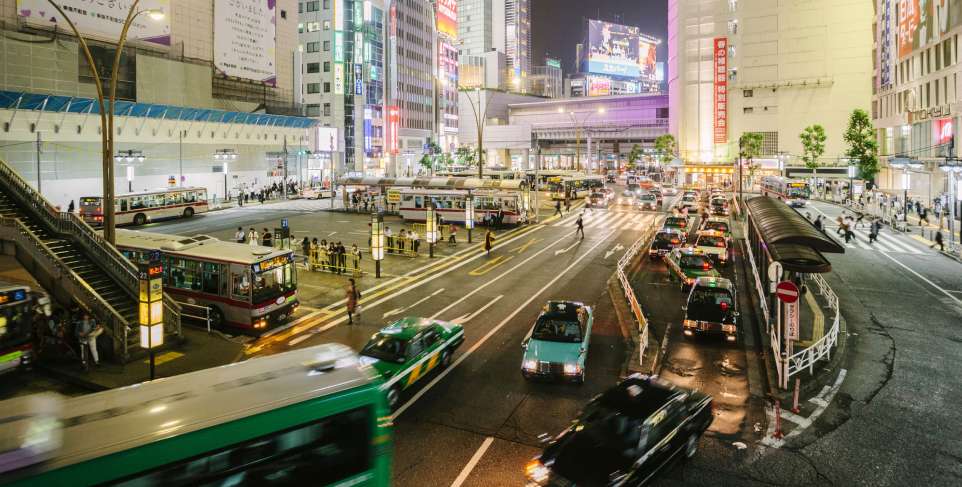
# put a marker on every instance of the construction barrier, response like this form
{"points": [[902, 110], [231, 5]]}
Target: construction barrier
{"points": [[324, 261]]}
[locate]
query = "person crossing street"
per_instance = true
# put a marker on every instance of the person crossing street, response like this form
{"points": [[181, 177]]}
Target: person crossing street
{"points": [[581, 226], [557, 208]]}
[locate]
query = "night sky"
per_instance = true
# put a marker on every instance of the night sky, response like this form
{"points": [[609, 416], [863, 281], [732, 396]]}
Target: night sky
{"points": [[558, 25]]}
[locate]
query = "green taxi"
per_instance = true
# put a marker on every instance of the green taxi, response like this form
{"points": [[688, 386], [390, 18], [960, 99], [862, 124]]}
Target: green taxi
{"points": [[689, 264], [408, 349], [556, 347]]}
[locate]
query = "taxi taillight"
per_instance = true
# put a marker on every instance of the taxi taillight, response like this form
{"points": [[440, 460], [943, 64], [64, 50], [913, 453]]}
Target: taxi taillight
{"points": [[720, 244], [706, 266]]}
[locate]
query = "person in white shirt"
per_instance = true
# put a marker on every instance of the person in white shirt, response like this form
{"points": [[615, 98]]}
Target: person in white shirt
{"points": [[240, 236], [253, 238]]}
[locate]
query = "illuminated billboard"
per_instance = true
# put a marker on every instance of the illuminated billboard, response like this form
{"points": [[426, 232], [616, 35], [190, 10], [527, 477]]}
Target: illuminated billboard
{"points": [[923, 22], [244, 39], [598, 86], [647, 59], [619, 50], [447, 15], [102, 20]]}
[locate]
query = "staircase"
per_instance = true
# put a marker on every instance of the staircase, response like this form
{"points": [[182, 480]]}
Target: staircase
{"points": [[75, 258]]}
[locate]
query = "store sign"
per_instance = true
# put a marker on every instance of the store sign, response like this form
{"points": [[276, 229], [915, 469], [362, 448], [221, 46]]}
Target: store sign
{"points": [[943, 130], [930, 113], [391, 131], [244, 39], [358, 80], [885, 44], [338, 78], [99, 19], [447, 15], [552, 63], [721, 90]]}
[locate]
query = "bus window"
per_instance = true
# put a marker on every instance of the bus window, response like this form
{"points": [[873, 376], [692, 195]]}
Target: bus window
{"points": [[123, 204], [419, 202], [241, 287], [156, 200], [185, 274], [189, 196], [212, 273], [173, 199], [510, 204], [408, 198], [202, 195]]}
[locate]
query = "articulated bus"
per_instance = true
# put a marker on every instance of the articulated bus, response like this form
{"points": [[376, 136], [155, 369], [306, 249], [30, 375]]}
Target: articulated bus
{"points": [[307, 417], [246, 287], [795, 192], [140, 208], [450, 204], [17, 306], [574, 187]]}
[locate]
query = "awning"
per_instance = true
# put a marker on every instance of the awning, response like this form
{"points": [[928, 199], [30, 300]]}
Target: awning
{"points": [[798, 258], [778, 223]]}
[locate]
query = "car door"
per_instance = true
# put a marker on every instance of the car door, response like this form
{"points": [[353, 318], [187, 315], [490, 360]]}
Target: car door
{"points": [[415, 352], [586, 320], [662, 438]]}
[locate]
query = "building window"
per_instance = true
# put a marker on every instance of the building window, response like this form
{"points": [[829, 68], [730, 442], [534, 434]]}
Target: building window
{"points": [[327, 109], [747, 93], [313, 26], [313, 87], [313, 46], [313, 67], [327, 46], [327, 87], [748, 109], [327, 66], [327, 25], [733, 27], [327, 4], [311, 6], [313, 109], [283, 14]]}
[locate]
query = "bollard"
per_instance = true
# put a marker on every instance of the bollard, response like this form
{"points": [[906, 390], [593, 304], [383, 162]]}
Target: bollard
{"points": [[798, 384], [778, 420]]}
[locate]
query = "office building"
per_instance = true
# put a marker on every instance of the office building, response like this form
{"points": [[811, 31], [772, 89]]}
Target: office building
{"points": [[503, 26], [547, 80], [446, 20]]}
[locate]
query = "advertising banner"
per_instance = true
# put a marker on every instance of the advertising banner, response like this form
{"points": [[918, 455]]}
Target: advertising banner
{"points": [[922, 22], [101, 20], [358, 79], [647, 59], [327, 139], [885, 44], [338, 78], [599, 86], [391, 131], [244, 39], [721, 90], [447, 14], [613, 49]]}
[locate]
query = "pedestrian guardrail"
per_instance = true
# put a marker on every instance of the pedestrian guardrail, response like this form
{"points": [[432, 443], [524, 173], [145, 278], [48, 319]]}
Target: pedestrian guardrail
{"points": [[325, 261], [806, 359], [643, 242]]}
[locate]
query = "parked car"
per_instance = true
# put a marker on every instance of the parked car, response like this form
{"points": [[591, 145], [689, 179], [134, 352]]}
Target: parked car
{"points": [[686, 265], [713, 244], [712, 308], [556, 347], [406, 350], [624, 436]]}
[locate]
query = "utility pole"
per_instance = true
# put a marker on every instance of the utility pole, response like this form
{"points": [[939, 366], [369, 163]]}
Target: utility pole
{"points": [[180, 158], [39, 189]]}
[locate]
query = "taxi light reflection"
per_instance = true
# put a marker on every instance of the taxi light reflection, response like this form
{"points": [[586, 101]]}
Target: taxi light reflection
{"points": [[536, 471], [530, 365], [572, 369]]}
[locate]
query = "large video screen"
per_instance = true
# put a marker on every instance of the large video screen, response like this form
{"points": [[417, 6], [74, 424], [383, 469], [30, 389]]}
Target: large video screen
{"points": [[618, 50]]}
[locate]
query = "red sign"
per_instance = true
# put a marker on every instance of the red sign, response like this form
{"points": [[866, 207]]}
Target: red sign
{"points": [[391, 131], [447, 16], [721, 90], [787, 291]]}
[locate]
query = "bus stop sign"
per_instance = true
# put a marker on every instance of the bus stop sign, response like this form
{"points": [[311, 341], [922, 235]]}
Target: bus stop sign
{"points": [[787, 291]]}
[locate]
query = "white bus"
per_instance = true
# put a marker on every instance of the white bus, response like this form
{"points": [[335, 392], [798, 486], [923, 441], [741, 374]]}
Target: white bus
{"points": [[794, 192], [574, 187], [246, 287], [143, 207], [450, 203]]}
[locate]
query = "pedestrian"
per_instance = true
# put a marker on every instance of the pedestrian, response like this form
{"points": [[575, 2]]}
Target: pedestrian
{"points": [[939, 240], [401, 238], [389, 236], [315, 248], [342, 258], [353, 296], [488, 241], [452, 232], [356, 257], [267, 239], [873, 232], [859, 220], [415, 240], [332, 256], [87, 332], [818, 222], [306, 249], [581, 227], [923, 214], [252, 237], [840, 221], [567, 205], [70, 207], [240, 236], [557, 208]]}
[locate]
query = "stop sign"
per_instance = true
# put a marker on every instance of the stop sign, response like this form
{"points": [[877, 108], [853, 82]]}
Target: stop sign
{"points": [[787, 291]]}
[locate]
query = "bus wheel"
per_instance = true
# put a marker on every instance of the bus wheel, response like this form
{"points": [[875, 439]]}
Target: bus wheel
{"points": [[188, 212], [216, 317], [393, 397], [140, 219]]}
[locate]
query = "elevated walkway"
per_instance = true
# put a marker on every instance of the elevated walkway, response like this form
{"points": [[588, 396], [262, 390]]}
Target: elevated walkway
{"points": [[76, 264]]}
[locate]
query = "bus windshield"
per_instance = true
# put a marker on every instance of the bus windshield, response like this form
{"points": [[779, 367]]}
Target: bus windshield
{"points": [[15, 322], [274, 282], [798, 190]]}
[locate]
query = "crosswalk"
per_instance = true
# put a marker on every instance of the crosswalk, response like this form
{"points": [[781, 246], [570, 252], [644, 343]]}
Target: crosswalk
{"points": [[627, 220], [886, 242]]}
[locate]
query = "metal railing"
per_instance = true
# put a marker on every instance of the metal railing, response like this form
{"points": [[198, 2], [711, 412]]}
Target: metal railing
{"points": [[640, 319], [806, 358]]}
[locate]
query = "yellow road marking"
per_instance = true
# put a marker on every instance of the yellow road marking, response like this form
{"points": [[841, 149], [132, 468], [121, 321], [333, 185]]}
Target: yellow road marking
{"points": [[490, 265], [165, 357], [525, 246], [922, 239]]}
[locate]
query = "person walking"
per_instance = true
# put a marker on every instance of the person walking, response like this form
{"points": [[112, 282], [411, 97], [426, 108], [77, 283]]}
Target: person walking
{"points": [[859, 220], [353, 296], [240, 236], [452, 232], [488, 241], [87, 332], [818, 222], [557, 208], [267, 239], [873, 232], [581, 226], [70, 207], [923, 214], [567, 205], [939, 241]]}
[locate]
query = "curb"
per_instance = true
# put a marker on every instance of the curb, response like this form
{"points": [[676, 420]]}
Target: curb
{"points": [[70, 379]]}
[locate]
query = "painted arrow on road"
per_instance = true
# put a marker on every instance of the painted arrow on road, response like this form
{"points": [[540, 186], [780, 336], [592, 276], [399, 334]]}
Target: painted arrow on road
{"points": [[561, 251], [396, 311], [614, 249], [461, 320]]}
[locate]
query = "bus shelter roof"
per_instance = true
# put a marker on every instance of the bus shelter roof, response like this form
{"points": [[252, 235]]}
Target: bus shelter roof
{"points": [[790, 238]]}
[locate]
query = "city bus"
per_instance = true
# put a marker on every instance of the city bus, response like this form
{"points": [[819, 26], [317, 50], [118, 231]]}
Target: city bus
{"points": [[314, 416], [17, 305], [795, 192], [251, 288], [450, 203], [147, 206], [574, 187]]}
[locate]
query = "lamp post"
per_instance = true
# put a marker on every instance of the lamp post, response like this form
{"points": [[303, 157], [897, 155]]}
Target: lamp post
{"points": [[225, 156], [377, 242], [430, 227], [469, 214], [579, 127], [851, 181], [107, 118], [480, 118], [151, 311], [128, 157]]}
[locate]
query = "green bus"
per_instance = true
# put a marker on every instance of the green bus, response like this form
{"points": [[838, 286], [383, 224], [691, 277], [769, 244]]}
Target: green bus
{"points": [[308, 417]]}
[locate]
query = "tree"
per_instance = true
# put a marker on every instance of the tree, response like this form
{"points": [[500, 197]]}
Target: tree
{"points": [[862, 146], [665, 146], [466, 155], [813, 146], [749, 147], [633, 156], [427, 162]]}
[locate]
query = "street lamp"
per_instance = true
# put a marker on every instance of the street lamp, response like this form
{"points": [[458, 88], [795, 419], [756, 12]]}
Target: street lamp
{"points": [[225, 156], [905, 164], [151, 310], [579, 127], [469, 215], [128, 157], [107, 118], [851, 181], [430, 227], [480, 118], [377, 242]]}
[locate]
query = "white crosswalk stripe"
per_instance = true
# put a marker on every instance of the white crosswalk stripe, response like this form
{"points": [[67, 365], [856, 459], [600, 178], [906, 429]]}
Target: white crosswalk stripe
{"points": [[886, 242], [611, 219]]}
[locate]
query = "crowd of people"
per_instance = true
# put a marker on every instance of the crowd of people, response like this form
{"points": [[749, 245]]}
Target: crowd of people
{"points": [[275, 190], [67, 333]]}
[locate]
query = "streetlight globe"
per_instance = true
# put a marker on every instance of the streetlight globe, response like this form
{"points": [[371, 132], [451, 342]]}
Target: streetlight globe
{"points": [[601, 110], [156, 14], [561, 110]]}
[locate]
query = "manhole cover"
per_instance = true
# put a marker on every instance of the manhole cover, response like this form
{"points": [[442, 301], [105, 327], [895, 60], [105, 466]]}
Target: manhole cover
{"points": [[682, 367], [728, 367]]}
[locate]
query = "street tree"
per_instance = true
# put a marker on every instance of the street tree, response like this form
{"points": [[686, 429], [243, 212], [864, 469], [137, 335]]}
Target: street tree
{"points": [[634, 155], [813, 146], [665, 146], [862, 146], [749, 147], [466, 156]]}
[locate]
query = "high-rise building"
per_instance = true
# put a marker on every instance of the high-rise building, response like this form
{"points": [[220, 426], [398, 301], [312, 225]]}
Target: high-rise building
{"points": [[342, 70], [614, 59], [547, 80], [496, 25], [738, 66], [446, 19]]}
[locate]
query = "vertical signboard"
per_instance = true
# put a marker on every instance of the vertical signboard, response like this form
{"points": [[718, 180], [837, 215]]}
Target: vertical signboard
{"points": [[102, 20], [338, 78], [244, 39], [447, 15], [391, 131], [721, 90], [791, 320], [358, 79], [885, 44]]}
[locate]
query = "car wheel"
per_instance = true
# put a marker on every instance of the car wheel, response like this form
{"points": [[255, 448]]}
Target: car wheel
{"points": [[140, 219], [445, 359], [691, 446], [216, 317], [188, 212], [393, 397]]}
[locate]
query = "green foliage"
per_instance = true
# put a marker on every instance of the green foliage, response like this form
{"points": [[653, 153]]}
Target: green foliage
{"points": [[633, 156], [427, 162], [862, 146], [813, 145], [665, 146], [466, 155], [750, 145]]}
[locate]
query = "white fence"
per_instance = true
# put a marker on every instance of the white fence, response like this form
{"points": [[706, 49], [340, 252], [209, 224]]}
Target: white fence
{"points": [[806, 358], [640, 319]]}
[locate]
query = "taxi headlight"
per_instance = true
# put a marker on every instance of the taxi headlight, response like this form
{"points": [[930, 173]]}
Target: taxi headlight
{"points": [[728, 328], [530, 365], [536, 471], [572, 369]]}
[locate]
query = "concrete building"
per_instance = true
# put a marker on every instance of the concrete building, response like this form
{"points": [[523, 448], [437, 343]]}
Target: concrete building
{"points": [[737, 66], [446, 20], [189, 85], [342, 72], [916, 107], [547, 80], [503, 26]]}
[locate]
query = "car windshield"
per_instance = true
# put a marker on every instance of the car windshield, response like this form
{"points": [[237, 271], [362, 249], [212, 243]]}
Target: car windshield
{"points": [[711, 241], [692, 261], [627, 194], [717, 226], [647, 197], [710, 304], [385, 347], [597, 196], [689, 197], [667, 238], [552, 329], [718, 202], [675, 221]]}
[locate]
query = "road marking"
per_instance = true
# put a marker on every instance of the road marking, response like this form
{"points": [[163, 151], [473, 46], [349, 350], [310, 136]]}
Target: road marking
{"points": [[165, 357], [470, 316], [490, 265], [561, 251], [496, 329], [472, 462], [920, 276], [298, 340], [525, 245], [613, 250]]}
